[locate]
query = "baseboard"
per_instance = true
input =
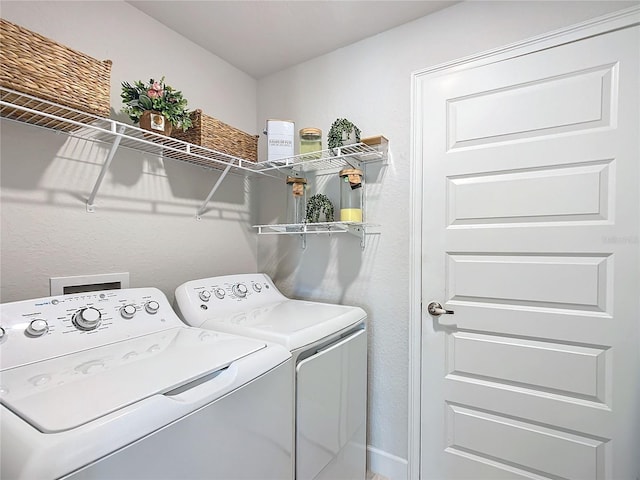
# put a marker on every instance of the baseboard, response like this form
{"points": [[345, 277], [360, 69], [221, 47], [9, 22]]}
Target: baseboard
{"points": [[385, 464]]}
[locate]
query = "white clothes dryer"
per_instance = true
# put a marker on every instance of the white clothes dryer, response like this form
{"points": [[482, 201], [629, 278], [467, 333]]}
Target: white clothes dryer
{"points": [[329, 347], [113, 385]]}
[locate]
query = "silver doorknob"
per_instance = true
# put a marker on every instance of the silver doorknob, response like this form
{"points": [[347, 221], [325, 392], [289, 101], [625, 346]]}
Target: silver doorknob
{"points": [[435, 309]]}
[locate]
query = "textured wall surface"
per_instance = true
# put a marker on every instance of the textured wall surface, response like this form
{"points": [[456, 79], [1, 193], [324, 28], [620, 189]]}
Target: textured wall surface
{"points": [[145, 222], [145, 211], [369, 83]]}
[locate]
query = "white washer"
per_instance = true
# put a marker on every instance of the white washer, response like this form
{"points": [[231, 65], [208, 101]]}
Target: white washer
{"points": [[112, 385], [329, 347]]}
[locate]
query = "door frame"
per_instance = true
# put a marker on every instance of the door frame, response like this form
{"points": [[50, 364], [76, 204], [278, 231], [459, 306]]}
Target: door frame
{"points": [[596, 26]]}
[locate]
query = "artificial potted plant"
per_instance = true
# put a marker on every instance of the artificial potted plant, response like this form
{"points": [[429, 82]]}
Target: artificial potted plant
{"points": [[155, 106], [341, 133], [318, 204]]}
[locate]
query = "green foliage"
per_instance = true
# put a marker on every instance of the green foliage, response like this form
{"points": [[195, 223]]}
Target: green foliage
{"points": [[158, 96], [317, 204], [340, 131]]}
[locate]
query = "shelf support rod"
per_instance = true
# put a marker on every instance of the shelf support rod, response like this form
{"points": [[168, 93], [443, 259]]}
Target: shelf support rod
{"points": [[303, 236], [103, 171], [202, 208]]}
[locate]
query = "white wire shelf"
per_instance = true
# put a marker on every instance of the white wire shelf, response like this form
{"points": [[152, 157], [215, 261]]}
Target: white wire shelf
{"points": [[298, 228], [20, 107], [42, 113], [303, 229], [352, 155], [49, 115]]}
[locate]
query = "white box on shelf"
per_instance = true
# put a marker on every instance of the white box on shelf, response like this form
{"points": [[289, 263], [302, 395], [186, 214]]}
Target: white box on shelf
{"points": [[280, 139]]}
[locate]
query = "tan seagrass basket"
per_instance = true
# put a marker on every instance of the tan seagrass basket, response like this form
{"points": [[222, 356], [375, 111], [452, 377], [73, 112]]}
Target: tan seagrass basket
{"points": [[211, 133], [35, 65]]}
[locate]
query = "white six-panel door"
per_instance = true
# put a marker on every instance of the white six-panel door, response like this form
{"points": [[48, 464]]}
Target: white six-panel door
{"points": [[530, 220]]}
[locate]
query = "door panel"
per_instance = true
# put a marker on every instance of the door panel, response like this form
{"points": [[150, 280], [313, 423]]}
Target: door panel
{"points": [[582, 193], [568, 102], [485, 435], [579, 371], [530, 234], [567, 282]]}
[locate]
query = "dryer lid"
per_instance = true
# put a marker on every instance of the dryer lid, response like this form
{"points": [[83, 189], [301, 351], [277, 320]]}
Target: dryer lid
{"points": [[66, 392], [290, 323]]}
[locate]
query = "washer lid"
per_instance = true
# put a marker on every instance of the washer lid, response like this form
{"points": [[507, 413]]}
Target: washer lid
{"points": [[66, 392], [291, 323]]}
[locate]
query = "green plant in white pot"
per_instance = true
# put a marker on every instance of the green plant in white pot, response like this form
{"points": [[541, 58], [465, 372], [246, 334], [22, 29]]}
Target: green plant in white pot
{"points": [[342, 133]]}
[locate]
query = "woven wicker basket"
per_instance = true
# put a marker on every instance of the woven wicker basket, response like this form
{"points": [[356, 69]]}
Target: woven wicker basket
{"points": [[211, 133], [33, 64]]}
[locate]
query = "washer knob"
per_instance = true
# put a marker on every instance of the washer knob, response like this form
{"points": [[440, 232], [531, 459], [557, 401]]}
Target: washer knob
{"points": [[87, 318], [128, 311], [219, 292], [240, 289], [205, 295], [152, 307], [37, 328], [2, 333], [257, 287]]}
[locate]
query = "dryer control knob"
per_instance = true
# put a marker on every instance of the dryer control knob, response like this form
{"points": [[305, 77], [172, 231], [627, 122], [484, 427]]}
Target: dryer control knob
{"points": [[257, 287], [205, 295], [219, 292], [87, 318], [152, 307], [240, 290], [128, 311], [37, 328]]}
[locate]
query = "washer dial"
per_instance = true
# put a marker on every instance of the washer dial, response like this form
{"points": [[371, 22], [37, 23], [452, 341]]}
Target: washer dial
{"points": [[128, 311], [205, 295], [152, 307], [219, 292], [87, 319], [37, 328], [240, 290]]}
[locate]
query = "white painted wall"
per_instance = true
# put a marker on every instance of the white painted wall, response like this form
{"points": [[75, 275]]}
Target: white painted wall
{"points": [[145, 220], [369, 83]]}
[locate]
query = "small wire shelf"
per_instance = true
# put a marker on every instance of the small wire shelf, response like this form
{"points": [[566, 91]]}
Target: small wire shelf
{"points": [[353, 155], [299, 228]]}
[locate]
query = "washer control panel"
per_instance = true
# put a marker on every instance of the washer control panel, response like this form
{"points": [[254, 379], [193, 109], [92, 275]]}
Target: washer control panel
{"points": [[220, 295], [43, 328]]}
